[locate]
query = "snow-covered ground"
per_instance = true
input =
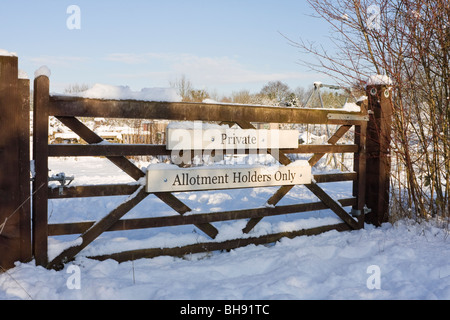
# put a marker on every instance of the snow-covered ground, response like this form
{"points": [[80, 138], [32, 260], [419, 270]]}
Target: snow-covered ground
{"points": [[401, 261]]}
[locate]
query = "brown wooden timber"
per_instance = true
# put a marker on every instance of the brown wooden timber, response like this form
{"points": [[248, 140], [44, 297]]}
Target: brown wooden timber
{"points": [[67, 150], [24, 170], [92, 191], [75, 150], [359, 164], [10, 244], [190, 111], [157, 222], [40, 182], [333, 205], [214, 246]]}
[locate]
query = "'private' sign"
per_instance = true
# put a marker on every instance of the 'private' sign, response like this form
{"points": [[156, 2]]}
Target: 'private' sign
{"points": [[230, 139]]}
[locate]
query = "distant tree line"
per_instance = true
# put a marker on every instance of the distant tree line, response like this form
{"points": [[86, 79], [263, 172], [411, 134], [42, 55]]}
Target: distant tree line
{"points": [[274, 93]]}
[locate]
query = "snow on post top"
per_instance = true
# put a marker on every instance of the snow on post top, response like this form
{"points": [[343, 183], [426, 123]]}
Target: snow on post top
{"points": [[22, 74], [42, 71], [109, 92], [379, 80], [6, 53]]}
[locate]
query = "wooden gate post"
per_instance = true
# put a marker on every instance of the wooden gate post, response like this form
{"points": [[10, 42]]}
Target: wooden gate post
{"points": [[15, 226], [40, 156], [378, 162]]}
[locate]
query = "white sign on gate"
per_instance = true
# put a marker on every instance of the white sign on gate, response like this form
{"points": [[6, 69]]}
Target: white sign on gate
{"points": [[221, 138], [170, 178]]}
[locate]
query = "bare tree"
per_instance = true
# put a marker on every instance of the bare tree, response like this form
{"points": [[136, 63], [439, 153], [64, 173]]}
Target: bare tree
{"points": [[75, 88], [183, 87], [278, 92], [242, 96], [409, 41], [198, 95]]}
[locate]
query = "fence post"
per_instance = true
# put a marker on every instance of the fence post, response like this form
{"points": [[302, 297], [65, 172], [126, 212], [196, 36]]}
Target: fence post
{"points": [[378, 162], [24, 173], [14, 228], [40, 156], [359, 164]]}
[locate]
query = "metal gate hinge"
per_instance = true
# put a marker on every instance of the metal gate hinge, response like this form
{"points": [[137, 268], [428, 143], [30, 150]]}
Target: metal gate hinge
{"points": [[357, 213]]}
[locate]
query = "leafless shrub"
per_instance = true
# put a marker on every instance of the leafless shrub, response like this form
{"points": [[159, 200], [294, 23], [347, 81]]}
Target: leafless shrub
{"points": [[409, 41]]}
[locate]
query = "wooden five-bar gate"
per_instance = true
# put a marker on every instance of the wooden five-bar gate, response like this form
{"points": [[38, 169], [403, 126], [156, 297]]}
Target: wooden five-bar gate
{"points": [[370, 175]]}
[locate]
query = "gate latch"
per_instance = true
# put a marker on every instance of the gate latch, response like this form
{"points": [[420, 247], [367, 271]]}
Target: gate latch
{"points": [[62, 179]]}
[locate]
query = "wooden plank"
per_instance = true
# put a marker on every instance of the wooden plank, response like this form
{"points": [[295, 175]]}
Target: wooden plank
{"points": [[214, 246], [359, 164], [92, 191], [80, 129], [335, 177], [97, 229], [323, 148], [67, 150], [173, 202], [158, 222], [184, 111], [24, 167], [75, 150], [40, 182], [9, 166], [181, 208], [333, 205]]}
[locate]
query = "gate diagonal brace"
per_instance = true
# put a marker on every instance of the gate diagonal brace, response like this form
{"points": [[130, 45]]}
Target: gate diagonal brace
{"points": [[333, 205], [98, 228]]}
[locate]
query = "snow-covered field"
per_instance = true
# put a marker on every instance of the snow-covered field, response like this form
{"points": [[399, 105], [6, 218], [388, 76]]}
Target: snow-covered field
{"points": [[401, 261]]}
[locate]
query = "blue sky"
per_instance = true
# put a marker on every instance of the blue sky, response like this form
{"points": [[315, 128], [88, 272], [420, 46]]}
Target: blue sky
{"points": [[221, 46]]}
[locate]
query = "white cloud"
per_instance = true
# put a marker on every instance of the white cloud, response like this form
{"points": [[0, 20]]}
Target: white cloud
{"points": [[133, 58], [202, 70], [58, 61]]}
